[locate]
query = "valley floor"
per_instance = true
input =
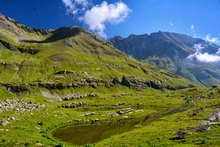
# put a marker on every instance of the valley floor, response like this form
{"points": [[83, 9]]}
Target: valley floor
{"points": [[145, 118]]}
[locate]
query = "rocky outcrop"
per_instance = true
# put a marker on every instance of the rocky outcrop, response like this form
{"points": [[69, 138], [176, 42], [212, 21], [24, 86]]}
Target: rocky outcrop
{"points": [[4, 123], [73, 105], [73, 96], [125, 111], [206, 125], [18, 105], [214, 116], [20, 49], [140, 84], [199, 128], [15, 88], [117, 66], [66, 72], [125, 94], [86, 82], [88, 114], [180, 135], [77, 96]]}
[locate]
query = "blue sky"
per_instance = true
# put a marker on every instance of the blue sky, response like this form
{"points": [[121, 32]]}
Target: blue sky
{"points": [[194, 17]]}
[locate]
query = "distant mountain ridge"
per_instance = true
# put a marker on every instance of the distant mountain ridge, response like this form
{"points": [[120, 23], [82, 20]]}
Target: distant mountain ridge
{"points": [[161, 44], [170, 50]]}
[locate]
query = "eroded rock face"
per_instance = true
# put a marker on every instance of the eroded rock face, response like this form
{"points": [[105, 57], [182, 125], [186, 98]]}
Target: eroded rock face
{"points": [[15, 88], [21, 50], [73, 96], [85, 82], [140, 84]]}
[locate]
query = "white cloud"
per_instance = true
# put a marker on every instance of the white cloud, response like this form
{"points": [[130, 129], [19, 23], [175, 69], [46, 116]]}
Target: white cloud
{"points": [[97, 17], [198, 47], [75, 6], [204, 57], [211, 39]]}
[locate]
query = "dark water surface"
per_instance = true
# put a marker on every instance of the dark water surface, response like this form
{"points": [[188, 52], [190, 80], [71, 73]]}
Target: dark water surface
{"points": [[89, 134], [93, 133]]}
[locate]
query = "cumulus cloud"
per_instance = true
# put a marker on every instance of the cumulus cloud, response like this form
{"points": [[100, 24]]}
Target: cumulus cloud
{"points": [[204, 57], [211, 39], [97, 16]]}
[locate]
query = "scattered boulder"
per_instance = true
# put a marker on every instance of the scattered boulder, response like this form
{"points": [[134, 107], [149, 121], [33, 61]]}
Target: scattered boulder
{"points": [[124, 94], [88, 114], [214, 116], [205, 123], [180, 135], [73, 105], [5, 123], [111, 114], [39, 145], [94, 121], [117, 66], [18, 105], [66, 72], [119, 104], [125, 111], [40, 123], [197, 111], [199, 128], [11, 118], [77, 96]]}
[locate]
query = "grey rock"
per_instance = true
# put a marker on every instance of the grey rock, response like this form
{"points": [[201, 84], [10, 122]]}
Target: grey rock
{"points": [[5, 123], [214, 116]]}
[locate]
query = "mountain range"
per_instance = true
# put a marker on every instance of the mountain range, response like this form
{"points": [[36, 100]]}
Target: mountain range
{"points": [[67, 87], [172, 51]]}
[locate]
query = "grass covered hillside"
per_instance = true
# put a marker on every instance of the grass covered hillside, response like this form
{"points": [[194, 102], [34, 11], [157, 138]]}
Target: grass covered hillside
{"points": [[67, 87]]}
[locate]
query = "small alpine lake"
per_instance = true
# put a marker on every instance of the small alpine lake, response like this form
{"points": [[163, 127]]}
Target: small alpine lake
{"points": [[81, 134]]}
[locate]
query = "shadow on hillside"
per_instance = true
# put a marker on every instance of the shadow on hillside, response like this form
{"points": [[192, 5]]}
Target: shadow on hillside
{"points": [[59, 34]]}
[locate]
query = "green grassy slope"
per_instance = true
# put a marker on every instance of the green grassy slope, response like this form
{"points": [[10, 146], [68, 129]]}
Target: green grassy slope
{"points": [[72, 66]]}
